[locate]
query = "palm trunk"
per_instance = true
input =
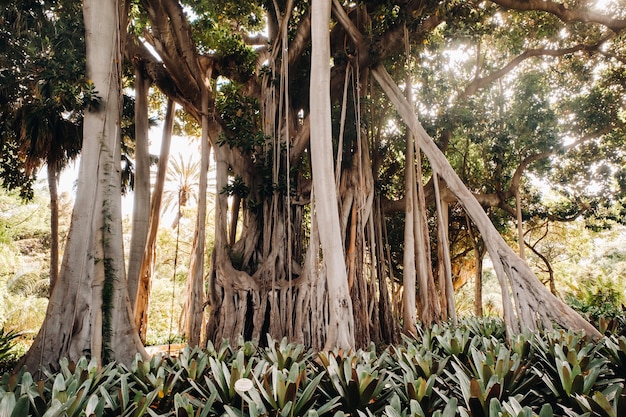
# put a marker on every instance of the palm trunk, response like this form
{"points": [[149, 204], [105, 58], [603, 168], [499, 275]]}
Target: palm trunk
{"points": [[54, 224]]}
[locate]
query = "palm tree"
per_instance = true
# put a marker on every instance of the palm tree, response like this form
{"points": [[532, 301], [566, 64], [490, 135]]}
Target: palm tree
{"points": [[45, 111], [46, 137], [181, 184]]}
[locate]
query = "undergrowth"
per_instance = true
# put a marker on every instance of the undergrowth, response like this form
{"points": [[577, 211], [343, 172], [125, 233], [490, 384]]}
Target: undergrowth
{"points": [[466, 370]]}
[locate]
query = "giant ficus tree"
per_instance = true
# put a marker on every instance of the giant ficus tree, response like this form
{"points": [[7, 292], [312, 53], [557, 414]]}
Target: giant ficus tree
{"points": [[271, 280], [497, 86]]}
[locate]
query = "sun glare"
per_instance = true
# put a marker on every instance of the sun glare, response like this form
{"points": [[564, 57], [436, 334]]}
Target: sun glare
{"points": [[604, 5]]}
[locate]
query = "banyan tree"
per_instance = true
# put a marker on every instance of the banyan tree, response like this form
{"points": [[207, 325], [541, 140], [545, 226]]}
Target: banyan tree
{"points": [[336, 130]]}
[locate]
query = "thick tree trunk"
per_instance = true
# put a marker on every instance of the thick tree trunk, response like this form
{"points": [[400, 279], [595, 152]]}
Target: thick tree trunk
{"points": [[54, 223], [534, 303], [142, 297], [141, 190], [89, 311], [194, 308], [340, 329]]}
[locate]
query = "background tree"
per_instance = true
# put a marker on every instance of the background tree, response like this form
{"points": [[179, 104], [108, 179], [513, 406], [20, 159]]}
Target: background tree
{"points": [[42, 123]]}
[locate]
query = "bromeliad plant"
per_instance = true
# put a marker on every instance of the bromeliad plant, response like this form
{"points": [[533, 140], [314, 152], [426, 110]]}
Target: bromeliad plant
{"points": [[493, 373], [157, 380], [614, 349], [396, 409], [417, 374], [359, 379], [569, 364], [444, 372], [76, 390], [283, 355], [571, 367], [290, 392]]}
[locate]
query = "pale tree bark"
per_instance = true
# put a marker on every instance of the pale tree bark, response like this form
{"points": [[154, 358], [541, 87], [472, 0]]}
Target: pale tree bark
{"points": [[429, 305], [142, 298], [89, 312], [443, 250], [520, 224], [409, 324], [479, 255], [409, 311], [194, 308], [416, 261], [54, 223], [340, 328], [141, 190], [534, 303]]}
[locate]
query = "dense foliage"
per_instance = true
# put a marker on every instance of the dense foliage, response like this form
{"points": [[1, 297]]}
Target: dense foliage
{"points": [[468, 370]]}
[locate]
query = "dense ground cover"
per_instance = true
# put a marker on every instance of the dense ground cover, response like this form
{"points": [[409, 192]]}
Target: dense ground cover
{"points": [[464, 370]]}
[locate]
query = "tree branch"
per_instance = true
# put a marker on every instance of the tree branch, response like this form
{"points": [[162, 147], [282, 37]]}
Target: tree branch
{"points": [[561, 11], [482, 82]]}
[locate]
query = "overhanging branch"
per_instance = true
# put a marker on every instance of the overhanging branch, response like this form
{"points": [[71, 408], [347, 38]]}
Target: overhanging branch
{"points": [[567, 15]]}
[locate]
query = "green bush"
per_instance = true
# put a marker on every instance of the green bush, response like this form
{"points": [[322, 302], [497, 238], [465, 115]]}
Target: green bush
{"points": [[8, 356], [597, 299]]}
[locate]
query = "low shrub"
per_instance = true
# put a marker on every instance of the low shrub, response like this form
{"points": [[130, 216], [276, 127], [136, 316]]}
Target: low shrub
{"points": [[8, 355]]}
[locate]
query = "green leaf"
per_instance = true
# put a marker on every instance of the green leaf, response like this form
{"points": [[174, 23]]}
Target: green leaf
{"points": [[7, 404], [123, 393], [546, 411], [450, 409], [21, 407], [495, 408], [56, 408], [59, 387], [92, 405], [565, 376], [207, 407], [233, 412], [604, 404]]}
